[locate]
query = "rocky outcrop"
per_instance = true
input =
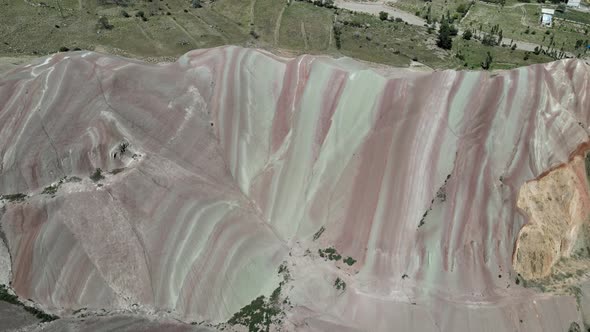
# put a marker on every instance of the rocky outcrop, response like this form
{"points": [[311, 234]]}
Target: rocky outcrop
{"points": [[557, 206]]}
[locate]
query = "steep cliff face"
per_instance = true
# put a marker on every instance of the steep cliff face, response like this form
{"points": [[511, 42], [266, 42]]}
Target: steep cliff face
{"points": [[361, 200]]}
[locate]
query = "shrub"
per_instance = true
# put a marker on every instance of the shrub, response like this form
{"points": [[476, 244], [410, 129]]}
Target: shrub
{"points": [[50, 190], [467, 34], [318, 234], [461, 9], [444, 36], [13, 299], [14, 197], [383, 16], [337, 35], [489, 40], [73, 179], [125, 14], [350, 261], [339, 284], [259, 314], [103, 23], [97, 175], [487, 63], [574, 327]]}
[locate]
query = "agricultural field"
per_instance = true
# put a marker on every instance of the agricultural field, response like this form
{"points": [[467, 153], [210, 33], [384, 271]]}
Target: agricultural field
{"points": [[434, 9], [521, 23], [472, 54], [167, 29], [141, 29], [306, 27], [267, 15], [574, 15], [396, 43]]}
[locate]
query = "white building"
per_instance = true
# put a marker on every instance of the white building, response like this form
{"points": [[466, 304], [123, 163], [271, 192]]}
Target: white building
{"points": [[573, 3], [547, 16]]}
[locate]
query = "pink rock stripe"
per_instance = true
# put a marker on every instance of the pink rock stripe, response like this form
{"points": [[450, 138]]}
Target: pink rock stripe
{"points": [[235, 158]]}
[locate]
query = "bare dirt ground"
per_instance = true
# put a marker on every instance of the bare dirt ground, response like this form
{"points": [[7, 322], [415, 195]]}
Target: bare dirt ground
{"points": [[380, 6]]}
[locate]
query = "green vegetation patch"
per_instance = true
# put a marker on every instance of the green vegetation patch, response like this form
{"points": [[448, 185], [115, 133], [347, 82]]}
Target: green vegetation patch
{"points": [[330, 254], [587, 164], [395, 43], [340, 284], [472, 53], [522, 24], [73, 179], [574, 15], [97, 175], [266, 16], [14, 197], [350, 261], [236, 10], [319, 233], [117, 170], [13, 299], [437, 7], [306, 27], [574, 327], [52, 189], [168, 28], [257, 316]]}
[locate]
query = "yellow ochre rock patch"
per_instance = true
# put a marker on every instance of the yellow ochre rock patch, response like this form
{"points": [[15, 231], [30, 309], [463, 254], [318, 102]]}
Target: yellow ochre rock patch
{"points": [[557, 205]]}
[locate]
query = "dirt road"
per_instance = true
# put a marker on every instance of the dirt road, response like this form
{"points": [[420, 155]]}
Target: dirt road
{"points": [[378, 6]]}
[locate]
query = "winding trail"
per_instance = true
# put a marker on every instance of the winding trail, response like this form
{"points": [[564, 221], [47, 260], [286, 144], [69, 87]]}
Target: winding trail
{"points": [[181, 28], [304, 36], [278, 26]]}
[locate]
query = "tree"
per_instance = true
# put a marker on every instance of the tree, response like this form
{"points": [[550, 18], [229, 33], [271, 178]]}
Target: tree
{"points": [[489, 40], [444, 36], [103, 23], [383, 16], [487, 63], [467, 34], [196, 4], [461, 9]]}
